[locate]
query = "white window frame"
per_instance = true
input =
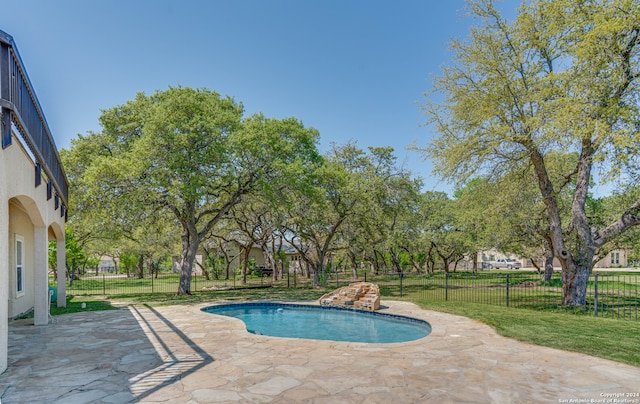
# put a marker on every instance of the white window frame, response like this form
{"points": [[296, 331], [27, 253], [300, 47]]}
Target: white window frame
{"points": [[19, 265]]}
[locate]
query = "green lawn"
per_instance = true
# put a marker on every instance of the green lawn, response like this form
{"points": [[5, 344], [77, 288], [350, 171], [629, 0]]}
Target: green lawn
{"points": [[74, 305]]}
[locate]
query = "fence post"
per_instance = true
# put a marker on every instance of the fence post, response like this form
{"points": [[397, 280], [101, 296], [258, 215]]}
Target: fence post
{"points": [[337, 282], [401, 276], [507, 294], [595, 297], [446, 286], [104, 286], [151, 282]]}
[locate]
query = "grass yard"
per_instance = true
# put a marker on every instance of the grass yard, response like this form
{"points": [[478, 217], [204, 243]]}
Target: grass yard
{"points": [[74, 305]]}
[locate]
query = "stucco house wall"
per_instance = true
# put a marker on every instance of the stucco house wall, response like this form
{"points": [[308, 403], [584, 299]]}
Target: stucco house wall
{"points": [[32, 212], [26, 215]]}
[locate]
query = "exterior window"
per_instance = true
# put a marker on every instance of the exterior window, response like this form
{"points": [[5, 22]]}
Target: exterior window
{"points": [[615, 258], [19, 266]]}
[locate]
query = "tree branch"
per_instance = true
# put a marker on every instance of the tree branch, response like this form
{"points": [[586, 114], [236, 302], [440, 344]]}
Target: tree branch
{"points": [[630, 218]]}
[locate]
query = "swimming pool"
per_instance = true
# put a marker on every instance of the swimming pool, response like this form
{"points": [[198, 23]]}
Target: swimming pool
{"points": [[321, 322]]}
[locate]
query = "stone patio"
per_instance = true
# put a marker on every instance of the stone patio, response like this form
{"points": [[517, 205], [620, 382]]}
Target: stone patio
{"points": [[179, 354]]}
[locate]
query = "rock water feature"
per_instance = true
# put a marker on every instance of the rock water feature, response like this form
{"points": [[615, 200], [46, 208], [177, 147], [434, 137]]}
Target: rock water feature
{"points": [[359, 295]]}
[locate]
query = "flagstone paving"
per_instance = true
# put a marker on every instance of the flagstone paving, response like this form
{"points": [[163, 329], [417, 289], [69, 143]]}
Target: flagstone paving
{"points": [[179, 354]]}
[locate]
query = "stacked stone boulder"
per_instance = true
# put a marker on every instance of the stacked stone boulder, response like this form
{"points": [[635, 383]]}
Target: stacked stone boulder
{"points": [[359, 295]]}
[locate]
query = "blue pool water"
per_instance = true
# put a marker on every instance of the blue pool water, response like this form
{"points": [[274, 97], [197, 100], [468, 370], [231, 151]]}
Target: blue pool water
{"points": [[326, 323]]}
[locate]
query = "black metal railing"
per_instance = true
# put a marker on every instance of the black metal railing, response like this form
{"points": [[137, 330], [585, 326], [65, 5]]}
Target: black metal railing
{"points": [[20, 107]]}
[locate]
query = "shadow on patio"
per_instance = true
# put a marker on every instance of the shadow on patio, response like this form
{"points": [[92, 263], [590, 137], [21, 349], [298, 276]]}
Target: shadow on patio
{"points": [[183, 358], [122, 354]]}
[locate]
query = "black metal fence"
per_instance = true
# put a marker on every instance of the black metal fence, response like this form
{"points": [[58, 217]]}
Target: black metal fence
{"points": [[108, 284], [608, 295]]}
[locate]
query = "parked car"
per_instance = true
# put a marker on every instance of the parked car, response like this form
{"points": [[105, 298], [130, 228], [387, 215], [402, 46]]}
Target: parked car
{"points": [[504, 263], [264, 271]]}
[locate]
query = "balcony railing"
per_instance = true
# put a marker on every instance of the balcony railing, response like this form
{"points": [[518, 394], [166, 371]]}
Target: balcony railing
{"points": [[21, 110]]}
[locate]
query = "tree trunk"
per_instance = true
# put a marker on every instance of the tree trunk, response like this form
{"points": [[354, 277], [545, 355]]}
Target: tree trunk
{"points": [[548, 262], [548, 269], [276, 256], [377, 264], [205, 261], [227, 262], [315, 278], [115, 264], [395, 261], [140, 267], [317, 268], [245, 263], [190, 243], [71, 272], [204, 270], [227, 270], [270, 260], [456, 262], [215, 267], [445, 262], [574, 285], [354, 264], [414, 263], [307, 270], [280, 262]]}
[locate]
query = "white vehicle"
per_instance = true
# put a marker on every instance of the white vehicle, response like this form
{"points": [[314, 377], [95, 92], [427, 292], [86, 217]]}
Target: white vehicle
{"points": [[505, 263]]}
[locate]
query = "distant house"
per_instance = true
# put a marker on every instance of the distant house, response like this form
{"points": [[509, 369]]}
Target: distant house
{"points": [[615, 259], [33, 199], [108, 264]]}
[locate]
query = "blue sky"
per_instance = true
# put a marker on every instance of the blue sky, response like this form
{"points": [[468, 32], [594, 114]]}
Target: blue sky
{"points": [[356, 70]]}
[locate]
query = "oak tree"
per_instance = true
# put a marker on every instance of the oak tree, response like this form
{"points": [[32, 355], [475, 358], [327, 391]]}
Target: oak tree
{"points": [[189, 154]]}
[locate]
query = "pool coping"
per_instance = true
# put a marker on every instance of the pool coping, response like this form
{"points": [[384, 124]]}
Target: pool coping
{"points": [[324, 307]]}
